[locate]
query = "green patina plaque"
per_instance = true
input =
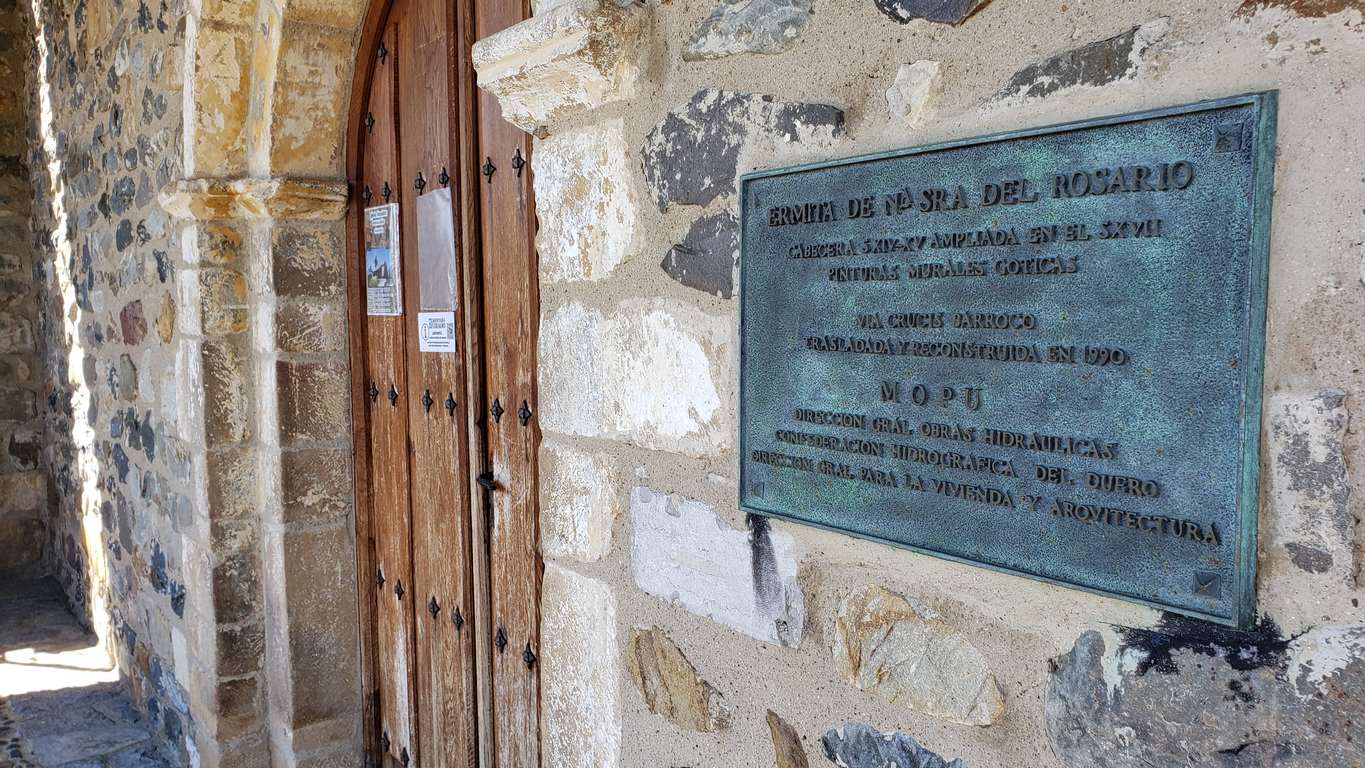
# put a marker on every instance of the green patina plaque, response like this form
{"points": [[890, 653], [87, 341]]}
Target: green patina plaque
{"points": [[1039, 351]]}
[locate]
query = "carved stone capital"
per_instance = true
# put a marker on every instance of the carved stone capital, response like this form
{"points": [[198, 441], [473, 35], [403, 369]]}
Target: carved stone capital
{"points": [[207, 199], [575, 56]]}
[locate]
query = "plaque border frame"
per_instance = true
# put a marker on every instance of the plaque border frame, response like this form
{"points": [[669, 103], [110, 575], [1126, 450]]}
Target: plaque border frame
{"points": [[1264, 106]]}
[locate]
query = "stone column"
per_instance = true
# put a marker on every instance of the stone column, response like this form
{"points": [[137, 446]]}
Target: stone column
{"points": [[272, 658]]}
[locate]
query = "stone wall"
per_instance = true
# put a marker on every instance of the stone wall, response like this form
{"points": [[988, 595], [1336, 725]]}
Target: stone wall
{"points": [[104, 136], [24, 501], [680, 632]]}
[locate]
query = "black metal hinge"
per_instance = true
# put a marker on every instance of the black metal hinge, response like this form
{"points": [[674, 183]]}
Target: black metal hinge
{"points": [[518, 162], [444, 178]]}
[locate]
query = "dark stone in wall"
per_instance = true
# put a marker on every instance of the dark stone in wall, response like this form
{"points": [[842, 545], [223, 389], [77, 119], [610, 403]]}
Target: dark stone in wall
{"points": [[1219, 698], [860, 746], [941, 11], [706, 257], [1097, 63], [134, 325], [691, 157]]}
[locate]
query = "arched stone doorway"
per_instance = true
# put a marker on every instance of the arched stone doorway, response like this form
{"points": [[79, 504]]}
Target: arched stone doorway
{"points": [[270, 139]]}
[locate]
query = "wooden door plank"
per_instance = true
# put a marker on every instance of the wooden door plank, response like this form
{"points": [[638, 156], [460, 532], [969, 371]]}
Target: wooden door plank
{"points": [[465, 146], [511, 319], [440, 499], [385, 340]]}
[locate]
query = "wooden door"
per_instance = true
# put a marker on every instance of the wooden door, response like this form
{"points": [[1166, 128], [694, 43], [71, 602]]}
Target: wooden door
{"points": [[446, 440]]}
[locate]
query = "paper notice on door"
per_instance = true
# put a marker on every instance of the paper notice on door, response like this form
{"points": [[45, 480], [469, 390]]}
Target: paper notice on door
{"points": [[383, 275], [436, 250], [436, 331]]}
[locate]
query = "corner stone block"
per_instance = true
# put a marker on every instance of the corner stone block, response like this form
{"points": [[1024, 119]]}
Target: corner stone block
{"points": [[310, 327], [316, 485], [314, 402], [646, 373], [317, 665], [237, 588], [230, 482], [226, 371], [586, 202], [578, 502], [309, 260], [309, 105], [580, 673], [684, 553], [222, 84], [223, 306], [575, 56]]}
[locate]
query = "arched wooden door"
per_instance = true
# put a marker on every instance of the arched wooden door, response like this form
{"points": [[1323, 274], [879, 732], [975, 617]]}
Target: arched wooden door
{"points": [[444, 320]]}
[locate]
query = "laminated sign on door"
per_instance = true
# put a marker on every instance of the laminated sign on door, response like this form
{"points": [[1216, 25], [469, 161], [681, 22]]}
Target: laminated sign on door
{"points": [[383, 276]]}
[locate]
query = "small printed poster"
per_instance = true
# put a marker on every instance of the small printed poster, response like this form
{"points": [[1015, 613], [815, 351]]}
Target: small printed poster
{"points": [[383, 276], [436, 331]]}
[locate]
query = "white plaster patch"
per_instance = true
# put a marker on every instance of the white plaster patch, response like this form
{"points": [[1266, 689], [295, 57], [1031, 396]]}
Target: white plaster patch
{"points": [[643, 374], [578, 502], [1322, 653], [586, 202], [684, 553], [580, 672]]}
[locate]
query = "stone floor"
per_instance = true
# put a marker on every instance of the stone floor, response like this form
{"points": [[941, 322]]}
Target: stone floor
{"points": [[61, 703]]}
